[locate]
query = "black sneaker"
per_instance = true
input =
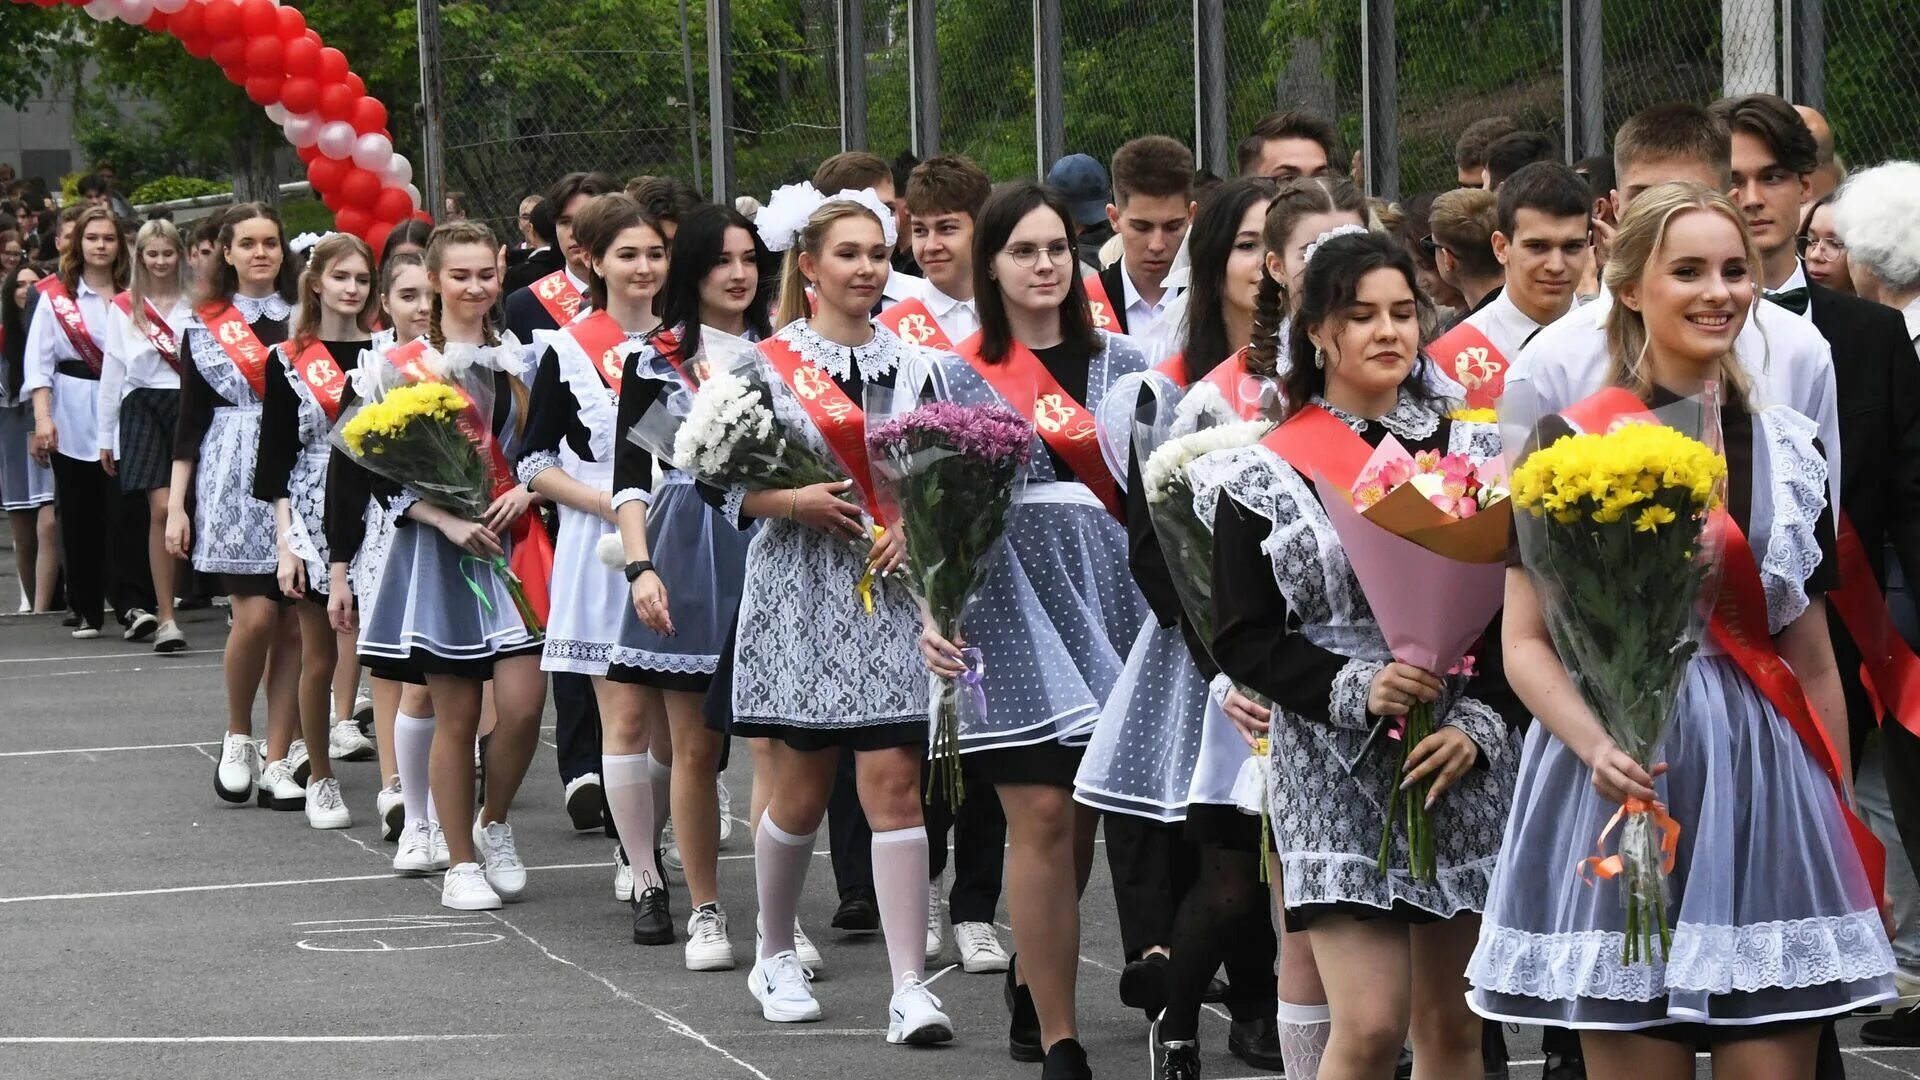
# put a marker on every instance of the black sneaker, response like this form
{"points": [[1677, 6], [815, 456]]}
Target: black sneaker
{"points": [[1143, 984], [140, 625], [1900, 1029], [857, 914], [1066, 1061], [1256, 1042], [1176, 1061], [1023, 1030], [652, 923]]}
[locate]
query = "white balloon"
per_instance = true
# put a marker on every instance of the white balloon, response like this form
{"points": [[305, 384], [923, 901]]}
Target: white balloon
{"points": [[103, 10], [398, 173], [171, 7], [302, 129], [336, 139], [372, 152], [276, 112], [136, 11], [414, 194]]}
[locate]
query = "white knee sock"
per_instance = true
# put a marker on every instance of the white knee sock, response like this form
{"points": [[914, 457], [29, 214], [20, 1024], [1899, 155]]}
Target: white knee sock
{"points": [[630, 801], [780, 861], [1303, 1038], [660, 775], [900, 890], [412, 746]]}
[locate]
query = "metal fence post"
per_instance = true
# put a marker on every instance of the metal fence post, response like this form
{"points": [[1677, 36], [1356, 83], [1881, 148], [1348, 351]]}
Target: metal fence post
{"points": [[1584, 89], [1380, 115], [720, 96], [1210, 86], [1748, 63], [693, 118], [433, 164], [1049, 88], [1804, 41], [923, 79], [852, 16]]}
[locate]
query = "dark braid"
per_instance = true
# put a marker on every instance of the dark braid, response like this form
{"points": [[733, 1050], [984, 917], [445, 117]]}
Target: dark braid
{"points": [[1269, 312], [435, 337]]}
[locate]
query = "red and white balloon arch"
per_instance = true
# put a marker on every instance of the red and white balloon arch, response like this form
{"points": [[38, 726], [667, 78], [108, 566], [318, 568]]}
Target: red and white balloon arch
{"points": [[305, 86]]}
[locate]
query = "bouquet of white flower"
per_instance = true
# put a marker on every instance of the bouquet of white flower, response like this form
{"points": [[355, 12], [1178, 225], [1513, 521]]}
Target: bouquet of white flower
{"points": [[731, 435]]}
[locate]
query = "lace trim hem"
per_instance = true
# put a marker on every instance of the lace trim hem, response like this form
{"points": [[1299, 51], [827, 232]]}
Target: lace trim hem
{"points": [[670, 663], [1341, 878]]}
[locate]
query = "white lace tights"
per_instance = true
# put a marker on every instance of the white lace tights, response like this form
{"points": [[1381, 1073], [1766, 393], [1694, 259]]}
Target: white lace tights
{"points": [[1303, 1038]]}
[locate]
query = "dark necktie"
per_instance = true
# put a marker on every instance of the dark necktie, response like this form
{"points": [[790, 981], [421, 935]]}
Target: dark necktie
{"points": [[1794, 300]]}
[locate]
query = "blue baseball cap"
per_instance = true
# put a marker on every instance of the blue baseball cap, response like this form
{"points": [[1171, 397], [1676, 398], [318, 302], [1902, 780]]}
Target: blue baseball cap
{"points": [[1082, 181]]}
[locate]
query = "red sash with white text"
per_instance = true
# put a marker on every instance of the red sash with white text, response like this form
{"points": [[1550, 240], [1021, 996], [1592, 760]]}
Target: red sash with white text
{"points": [[1228, 377], [1739, 626], [1470, 358], [1066, 426], [600, 338], [840, 422], [1316, 442], [914, 324], [241, 345], [159, 334], [557, 294], [325, 379], [1099, 306], [72, 322]]}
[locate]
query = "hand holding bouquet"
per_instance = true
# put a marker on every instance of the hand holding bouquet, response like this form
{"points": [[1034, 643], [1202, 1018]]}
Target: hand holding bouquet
{"points": [[951, 470]]}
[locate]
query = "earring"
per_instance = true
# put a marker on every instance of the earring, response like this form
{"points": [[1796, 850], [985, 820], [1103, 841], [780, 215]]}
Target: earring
{"points": [[1319, 359]]}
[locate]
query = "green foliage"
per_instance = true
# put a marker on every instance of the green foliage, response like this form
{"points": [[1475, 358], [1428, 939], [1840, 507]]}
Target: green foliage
{"points": [[169, 188], [305, 215], [70, 188]]}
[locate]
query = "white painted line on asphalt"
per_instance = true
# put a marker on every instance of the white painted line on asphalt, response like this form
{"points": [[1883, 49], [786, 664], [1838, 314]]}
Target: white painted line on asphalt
{"points": [[139, 654], [1865, 1055], [107, 749], [239, 885], [672, 1022], [105, 671], [174, 1040]]}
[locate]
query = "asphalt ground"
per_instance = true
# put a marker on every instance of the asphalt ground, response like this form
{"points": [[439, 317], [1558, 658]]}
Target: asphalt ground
{"points": [[148, 929]]}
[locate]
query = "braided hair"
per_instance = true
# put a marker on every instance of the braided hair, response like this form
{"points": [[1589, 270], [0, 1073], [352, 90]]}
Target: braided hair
{"points": [[1296, 199]]}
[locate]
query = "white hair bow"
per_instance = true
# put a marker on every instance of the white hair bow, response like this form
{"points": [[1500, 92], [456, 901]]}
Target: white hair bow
{"points": [[789, 208]]}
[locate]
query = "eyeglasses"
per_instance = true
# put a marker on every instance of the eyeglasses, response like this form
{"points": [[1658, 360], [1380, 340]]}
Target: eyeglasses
{"points": [[1431, 246], [1027, 256], [1808, 245]]}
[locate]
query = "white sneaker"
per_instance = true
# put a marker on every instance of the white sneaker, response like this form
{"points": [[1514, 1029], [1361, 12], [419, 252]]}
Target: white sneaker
{"points": [[670, 850], [169, 639], [980, 949], [278, 789], [803, 947], [140, 625], [345, 743], [466, 889], [707, 946], [726, 809], [586, 802], [781, 988], [391, 808], [239, 769], [325, 808], [622, 875], [437, 846], [914, 1016], [297, 761], [936, 935], [415, 857], [86, 633], [493, 842]]}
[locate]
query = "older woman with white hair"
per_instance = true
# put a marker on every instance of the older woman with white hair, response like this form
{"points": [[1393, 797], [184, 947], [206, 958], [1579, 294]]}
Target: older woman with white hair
{"points": [[1877, 216]]}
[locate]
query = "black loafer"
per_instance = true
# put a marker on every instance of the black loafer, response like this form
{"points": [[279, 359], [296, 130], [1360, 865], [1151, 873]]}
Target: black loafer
{"points": [[857, 915], [1256, 1042], [652, 922], [1023, 1029], [1066, 1061]]}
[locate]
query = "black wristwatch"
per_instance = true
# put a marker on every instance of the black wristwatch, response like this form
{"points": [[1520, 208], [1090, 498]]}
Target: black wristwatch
{"points": [[638, 567]]}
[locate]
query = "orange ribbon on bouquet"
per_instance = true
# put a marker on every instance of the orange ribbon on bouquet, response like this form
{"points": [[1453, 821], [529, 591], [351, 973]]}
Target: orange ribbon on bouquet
{"points": [[1607, 867]]}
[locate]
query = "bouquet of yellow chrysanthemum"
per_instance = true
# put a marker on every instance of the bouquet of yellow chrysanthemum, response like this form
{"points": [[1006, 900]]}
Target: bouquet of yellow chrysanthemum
{"points": [[1610, 527]]}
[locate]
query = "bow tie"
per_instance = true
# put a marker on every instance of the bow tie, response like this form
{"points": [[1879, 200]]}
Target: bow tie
{"points": [[1794, 300]]}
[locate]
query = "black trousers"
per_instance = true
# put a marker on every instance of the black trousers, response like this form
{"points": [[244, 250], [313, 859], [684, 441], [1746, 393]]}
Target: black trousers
{"points": [[979, 830], [1153, 866], [576, 731], [103, 560], [848, 833]]}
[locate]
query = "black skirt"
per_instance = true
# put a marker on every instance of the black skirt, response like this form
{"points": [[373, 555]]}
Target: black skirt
{"points": [[252, 585], [1046, 763], [857, 739], [687, 682], [1224, 826], [421, 663], [146, 439]]}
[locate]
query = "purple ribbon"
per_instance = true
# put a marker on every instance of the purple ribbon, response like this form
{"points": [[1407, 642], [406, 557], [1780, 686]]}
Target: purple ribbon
{"points": [[972, 677]]}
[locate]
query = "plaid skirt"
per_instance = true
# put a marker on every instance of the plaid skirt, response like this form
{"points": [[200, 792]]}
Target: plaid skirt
{"points": [[146, 439]]}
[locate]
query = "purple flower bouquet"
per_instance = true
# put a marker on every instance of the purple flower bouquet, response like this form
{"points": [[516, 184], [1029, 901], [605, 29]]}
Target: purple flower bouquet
{"points": [[952, 471]]}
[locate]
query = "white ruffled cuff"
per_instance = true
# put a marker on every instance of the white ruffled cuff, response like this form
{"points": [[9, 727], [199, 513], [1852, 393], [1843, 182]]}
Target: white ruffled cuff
{"points": [[536, 463], [632, 494], [730, 509], [1485, 726], [1347, 702], [398, 505]]}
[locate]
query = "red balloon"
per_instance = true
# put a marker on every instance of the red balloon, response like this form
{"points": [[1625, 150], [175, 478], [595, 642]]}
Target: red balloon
{"points": [[312, 35], [336, 102], [308, 155], [360, 188], [422, 215], [223, 19], [358, 84], [369, 116], [259, 18], [292, 25], [264, 89], [265, 56], [235, 73], [299, 56], [347, 219], [325, 173], [333, 66], [158, 21], [376, 237], [300, 95], [189, 22], [393, 204], [230, 52], [332, 201], [198, 46]]}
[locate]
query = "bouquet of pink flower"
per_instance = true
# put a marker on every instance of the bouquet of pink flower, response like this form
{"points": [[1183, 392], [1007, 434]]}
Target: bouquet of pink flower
{"points": [[1426, 535]]}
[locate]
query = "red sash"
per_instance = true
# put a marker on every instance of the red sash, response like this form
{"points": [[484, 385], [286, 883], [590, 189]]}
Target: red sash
{"points": [[531, 559], [557, 294], [1174, 367], [1099, 306], [1739, 626], [840, 422], [667, 344], [71, 321], [326, 380], [914, 324], [1314, 441], [600, 338], [241, 345], [1065, 425], [1228, 377], [1888, 668], [1470, 358], [159, 334]]}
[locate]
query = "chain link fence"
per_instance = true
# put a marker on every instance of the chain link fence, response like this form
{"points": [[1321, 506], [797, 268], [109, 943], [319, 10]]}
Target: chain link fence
{"points": [[532, 88]]}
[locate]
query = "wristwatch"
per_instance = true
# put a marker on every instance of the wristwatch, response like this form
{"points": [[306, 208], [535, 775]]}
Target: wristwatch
{"points": [[638, 567]]}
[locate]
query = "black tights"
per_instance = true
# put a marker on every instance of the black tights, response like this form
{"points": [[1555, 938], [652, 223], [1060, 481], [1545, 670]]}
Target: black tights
{"points": [[1222, 918]]}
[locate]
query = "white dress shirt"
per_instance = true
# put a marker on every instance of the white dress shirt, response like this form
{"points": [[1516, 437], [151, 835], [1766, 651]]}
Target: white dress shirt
{"points": [[900, 287], [75, 400], [1503, 323], [1787, 360], [1912, 314], [1144, 319], [132, 363], [958, 319]]}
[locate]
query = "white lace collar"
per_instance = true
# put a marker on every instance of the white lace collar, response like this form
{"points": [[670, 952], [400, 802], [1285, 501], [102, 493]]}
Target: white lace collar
{"points": [[271, 306], [1409, 419], [876, 358]]}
